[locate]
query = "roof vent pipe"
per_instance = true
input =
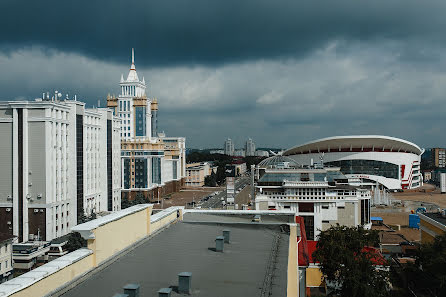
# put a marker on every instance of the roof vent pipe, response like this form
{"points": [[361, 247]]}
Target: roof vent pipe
{"points": [[184, 282], [132, 290], [227, 235], [219, 244], [164, 292]]}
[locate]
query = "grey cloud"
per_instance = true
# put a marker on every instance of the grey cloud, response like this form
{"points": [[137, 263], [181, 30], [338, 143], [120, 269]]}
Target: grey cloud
{"points": [[215, 32]]}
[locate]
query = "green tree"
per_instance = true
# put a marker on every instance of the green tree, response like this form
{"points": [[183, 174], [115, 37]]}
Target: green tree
{"points": [[347, 266], [428, 275], [210, 180], [75, 241]]}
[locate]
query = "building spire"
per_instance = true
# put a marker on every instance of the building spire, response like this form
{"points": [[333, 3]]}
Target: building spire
{"points": [[133, 60]]}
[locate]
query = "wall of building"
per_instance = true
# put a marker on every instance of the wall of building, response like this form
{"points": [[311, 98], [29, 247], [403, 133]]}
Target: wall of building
{"points": [[112, 235], [407, 159]]}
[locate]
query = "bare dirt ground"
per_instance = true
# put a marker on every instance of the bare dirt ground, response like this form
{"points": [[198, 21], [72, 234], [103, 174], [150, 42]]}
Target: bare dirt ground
{"points": [[412, 199], [184, 196], [426, 193]]}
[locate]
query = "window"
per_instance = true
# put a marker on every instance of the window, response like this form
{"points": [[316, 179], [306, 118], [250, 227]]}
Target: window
{"points": [[324, 206]]}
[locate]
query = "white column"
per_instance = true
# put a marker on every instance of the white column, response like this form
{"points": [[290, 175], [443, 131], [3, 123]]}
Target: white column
{"points": [[25, 175], [15, 175]]}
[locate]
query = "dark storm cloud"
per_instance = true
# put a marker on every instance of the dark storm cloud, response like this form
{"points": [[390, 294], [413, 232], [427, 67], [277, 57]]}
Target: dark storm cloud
{"points": [[214, 32], [281, 72]]}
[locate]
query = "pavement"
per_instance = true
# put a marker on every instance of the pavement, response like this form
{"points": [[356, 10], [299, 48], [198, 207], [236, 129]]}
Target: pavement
{"points": [[216, 200]]}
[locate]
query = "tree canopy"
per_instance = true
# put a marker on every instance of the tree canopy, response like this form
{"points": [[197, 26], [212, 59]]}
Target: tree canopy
{"points": [[348, 267]]}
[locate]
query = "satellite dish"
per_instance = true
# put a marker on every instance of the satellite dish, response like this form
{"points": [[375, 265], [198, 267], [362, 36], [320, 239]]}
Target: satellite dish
{"points": [[59, 95]]}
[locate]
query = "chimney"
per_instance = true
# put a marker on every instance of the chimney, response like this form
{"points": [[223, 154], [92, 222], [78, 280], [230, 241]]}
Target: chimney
{"points": [[227, 235], [132, 290], [184, 282], [164, 292], [219, 244]]}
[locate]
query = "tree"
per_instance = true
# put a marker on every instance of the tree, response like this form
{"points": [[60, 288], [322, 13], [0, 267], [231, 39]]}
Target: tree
{"points": [[428, 275], [75, 241], [347, 265], [210, 180]]}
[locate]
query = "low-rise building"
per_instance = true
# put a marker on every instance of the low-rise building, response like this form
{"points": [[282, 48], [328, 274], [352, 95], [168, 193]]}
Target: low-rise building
{"points": [[197, 172], [26, 255], [6, 263], [432, 225], [322, 196]]}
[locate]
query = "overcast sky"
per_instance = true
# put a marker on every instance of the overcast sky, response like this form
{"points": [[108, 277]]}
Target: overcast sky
{"points": [[280, 72]]}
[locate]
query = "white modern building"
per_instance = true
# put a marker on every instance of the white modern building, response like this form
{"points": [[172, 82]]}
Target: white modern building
{"points": [[250, 148], [59, 160], [6, 263], [324, 197], [152, 164], [229, 147], [391, 162]]}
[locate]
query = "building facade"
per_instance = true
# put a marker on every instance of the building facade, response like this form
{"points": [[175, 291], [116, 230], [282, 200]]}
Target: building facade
{"points": [[59, 161], [229, 147], [197, 172], [438, 157], [152, 164], [323, 197], [250, 148], [391, 162], [6, 263]]}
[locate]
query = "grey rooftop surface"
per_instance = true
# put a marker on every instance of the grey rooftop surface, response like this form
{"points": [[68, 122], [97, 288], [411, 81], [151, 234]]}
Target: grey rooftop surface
{"points": [[255, 251]]}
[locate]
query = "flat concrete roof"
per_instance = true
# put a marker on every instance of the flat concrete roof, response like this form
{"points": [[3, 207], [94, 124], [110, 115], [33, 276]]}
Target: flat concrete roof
{"points": [[255, 251]]}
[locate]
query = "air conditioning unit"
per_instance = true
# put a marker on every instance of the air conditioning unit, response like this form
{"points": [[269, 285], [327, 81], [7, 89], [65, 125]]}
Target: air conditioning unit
{"points": [[36, 210], [39, 196], [8, 210], [9, 197], [9, 223], [41, 210], [30, 184]]}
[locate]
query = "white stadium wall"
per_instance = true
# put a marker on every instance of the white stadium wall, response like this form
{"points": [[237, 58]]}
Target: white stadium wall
{"points": [[406, 157]]}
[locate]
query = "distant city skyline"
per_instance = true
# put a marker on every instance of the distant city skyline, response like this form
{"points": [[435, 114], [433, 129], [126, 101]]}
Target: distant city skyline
{"points": [[311, 71]]}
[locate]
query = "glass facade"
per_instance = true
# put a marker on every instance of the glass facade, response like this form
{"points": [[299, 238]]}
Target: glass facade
{"points": [[365, 212], [140, 125], [309, 227], [174, 170], [156, 170], [126, 173], [371, 167], [140, 173]]}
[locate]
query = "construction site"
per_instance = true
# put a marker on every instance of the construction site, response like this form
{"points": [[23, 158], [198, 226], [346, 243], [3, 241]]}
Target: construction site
{"points": [[395, 209]]}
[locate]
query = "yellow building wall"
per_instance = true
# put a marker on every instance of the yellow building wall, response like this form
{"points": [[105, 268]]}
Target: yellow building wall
{"points": [[314, 277], [293, 267], [55, 280], [426, 237], [155, 226], [115, 236]]}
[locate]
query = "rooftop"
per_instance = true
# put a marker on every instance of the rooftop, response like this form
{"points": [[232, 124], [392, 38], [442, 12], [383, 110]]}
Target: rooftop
{"points": [[436, 217], [362, 142], [241, 270]]}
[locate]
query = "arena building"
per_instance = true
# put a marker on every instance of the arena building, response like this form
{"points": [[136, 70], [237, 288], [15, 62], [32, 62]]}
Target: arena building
{"points": [[393, 163]]}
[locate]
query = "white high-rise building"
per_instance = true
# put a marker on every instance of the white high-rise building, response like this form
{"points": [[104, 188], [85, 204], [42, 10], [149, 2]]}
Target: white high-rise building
{"points": [[250, 148], [229, 147], [59, 160], [152, 164]]}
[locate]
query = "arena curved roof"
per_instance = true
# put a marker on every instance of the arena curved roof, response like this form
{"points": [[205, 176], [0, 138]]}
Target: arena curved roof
{"points": [[277, 160], [357, 143]]}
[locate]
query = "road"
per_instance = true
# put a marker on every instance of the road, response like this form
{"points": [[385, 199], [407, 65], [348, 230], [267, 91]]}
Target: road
{"points": [[215, 201]]}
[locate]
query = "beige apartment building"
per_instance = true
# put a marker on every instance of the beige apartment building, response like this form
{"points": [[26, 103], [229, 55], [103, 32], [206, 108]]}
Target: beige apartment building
{"points": [[197, 172]]}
